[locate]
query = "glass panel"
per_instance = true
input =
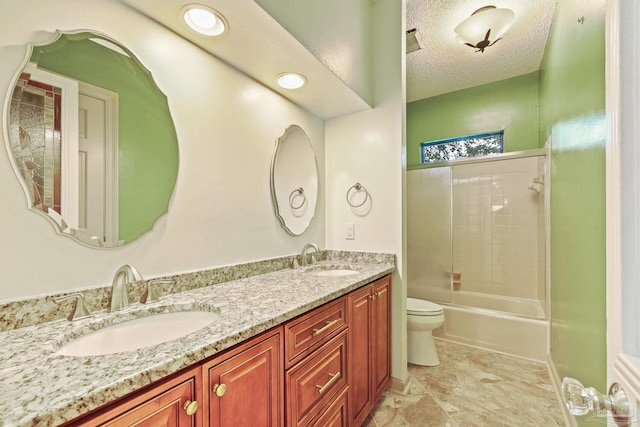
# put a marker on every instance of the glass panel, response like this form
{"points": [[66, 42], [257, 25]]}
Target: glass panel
{"points": [[429, 233], [498, 236], [34, 108]]}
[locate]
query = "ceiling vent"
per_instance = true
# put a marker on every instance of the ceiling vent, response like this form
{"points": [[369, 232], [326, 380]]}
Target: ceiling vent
{"points": [[413, 41]]}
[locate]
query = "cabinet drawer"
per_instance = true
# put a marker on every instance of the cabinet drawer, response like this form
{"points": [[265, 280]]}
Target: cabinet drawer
{"points": [[313, 383], [336, 414], [309, 331]]}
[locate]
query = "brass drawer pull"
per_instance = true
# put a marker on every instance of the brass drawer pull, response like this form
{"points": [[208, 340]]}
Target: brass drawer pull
{"points": [[329, 324], [333, 379]]}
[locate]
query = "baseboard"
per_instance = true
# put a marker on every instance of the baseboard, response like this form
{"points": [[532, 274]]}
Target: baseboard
{"points": [[556, 382], [400, 386]]}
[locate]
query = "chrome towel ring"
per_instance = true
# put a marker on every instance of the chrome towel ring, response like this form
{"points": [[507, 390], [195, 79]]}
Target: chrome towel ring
{"points": [[359, 188], [297, 193]]}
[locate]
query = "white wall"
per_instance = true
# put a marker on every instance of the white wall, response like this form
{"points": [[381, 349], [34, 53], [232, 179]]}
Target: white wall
{"points": [[221, 212], [369, 148]]}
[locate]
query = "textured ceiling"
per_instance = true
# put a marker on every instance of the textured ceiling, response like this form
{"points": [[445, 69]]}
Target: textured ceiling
{"points": [[444, 65]]}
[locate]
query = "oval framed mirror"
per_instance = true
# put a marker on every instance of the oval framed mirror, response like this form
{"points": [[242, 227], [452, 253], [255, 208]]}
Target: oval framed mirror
{"points": [[294, 180], [91, 139]]}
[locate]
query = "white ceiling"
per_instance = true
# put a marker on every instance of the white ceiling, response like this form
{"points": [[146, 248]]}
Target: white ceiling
{"points": [[444, 65], [261, 48]]}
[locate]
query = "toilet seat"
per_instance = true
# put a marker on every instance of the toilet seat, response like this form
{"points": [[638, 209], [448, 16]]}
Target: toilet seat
{"points": [[420, 307]]}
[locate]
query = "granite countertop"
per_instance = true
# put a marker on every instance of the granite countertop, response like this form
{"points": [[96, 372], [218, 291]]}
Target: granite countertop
{"points": [[39, 387]]}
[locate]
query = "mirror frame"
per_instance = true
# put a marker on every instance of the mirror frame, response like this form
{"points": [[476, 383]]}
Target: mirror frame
{"points": [[30, 47], [296, 186]]}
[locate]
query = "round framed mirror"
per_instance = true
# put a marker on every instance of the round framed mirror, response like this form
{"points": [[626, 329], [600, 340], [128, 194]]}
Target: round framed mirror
{"points": [[91, 139], [294, 180]]}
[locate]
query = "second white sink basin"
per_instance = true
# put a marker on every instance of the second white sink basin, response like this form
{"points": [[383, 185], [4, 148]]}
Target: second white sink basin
{"points": [[138, 333], [334, 272]]}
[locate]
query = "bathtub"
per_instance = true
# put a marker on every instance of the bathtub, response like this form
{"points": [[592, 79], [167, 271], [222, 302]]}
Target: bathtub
{"points": [[520, 306], [514, 334]]}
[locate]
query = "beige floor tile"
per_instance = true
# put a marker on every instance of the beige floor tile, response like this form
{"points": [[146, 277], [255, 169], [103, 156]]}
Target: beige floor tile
{"points": [[471, 387]]}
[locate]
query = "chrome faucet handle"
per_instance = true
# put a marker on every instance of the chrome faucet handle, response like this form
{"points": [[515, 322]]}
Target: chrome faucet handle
{"points": [[80, 310], [313, 259], [295, 263], [152, 289]]}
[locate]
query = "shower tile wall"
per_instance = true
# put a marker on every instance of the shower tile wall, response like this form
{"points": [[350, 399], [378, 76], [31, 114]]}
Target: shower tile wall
{"points": [[496, 230]]}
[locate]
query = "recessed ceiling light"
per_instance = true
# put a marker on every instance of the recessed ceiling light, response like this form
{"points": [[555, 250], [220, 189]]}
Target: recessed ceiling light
{"points": [[291, 80], [204, 20]]}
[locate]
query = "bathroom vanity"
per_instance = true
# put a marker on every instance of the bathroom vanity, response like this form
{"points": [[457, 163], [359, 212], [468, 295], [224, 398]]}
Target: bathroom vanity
{"points": [[292, 347], [299, 373]]}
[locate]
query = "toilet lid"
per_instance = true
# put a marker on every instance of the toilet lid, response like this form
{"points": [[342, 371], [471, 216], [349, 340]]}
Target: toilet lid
{"points": [[420, 307]]}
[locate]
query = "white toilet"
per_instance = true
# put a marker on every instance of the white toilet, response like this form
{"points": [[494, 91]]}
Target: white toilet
{"points": [[422, 318]]}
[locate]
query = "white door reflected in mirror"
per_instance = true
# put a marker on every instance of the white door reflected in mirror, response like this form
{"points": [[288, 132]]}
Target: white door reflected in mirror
{"points": [[92, 141]]}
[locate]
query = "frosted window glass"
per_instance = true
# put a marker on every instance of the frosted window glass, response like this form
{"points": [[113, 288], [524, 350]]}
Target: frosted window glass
{"points": [[446, 150]]}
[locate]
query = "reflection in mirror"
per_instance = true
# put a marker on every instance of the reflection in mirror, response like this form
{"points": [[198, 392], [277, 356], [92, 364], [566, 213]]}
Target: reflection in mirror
{"points": [[91, 137], [294, 180]]}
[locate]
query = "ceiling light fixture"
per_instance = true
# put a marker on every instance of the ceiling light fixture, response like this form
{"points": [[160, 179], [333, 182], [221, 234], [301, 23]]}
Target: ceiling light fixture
{"points": [[484, 27], [291, 80], [204, 20]]}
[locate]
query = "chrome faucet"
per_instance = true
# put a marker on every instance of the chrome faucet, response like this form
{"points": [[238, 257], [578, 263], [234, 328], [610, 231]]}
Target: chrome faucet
{"points": [[303, 256], [125, 275]]}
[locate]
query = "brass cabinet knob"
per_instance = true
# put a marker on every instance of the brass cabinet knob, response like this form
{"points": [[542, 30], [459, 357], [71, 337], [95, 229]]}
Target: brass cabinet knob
{"points": [[190, 407], [219, 389]]}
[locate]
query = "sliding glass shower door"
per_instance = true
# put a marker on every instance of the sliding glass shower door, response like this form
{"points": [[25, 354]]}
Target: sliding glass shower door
{"points": [[429, 241], [476, 234]]}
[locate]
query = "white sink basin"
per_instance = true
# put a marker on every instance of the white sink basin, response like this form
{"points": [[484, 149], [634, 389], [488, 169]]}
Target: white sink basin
{"points": [[334, 272], [138, 333]]}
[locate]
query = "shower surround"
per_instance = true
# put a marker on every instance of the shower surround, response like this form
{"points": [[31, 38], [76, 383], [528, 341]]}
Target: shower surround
{"points": [[477, 244]]}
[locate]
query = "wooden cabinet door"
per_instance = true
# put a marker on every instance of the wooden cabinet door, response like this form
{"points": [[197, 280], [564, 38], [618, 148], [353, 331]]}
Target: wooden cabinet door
{"points": [[252, 380], [159, 406], [381, 354], [360, 337]]}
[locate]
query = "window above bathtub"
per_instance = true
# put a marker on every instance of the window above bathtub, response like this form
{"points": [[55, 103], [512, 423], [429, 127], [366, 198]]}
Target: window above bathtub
{"points": [[446, 150]]}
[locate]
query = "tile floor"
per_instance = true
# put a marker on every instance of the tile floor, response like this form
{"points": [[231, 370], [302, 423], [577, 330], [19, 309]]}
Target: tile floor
{"points": [[471, 387]]}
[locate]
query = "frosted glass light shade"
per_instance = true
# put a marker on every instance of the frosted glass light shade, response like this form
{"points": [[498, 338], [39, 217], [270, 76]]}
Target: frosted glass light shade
{"points": [[473, 30]]}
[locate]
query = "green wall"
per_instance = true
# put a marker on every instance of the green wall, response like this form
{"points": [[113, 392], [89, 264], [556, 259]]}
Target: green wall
{"points": [[510, 105], [572, 102], [147, 141]]}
